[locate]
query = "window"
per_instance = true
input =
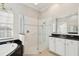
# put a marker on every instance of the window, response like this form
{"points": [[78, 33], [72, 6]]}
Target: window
{"points": [[6, 25]]}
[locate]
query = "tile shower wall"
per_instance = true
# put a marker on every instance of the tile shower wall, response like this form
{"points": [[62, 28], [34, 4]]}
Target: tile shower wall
{"points": [[31, 35], [45, 29], [42, 38]]}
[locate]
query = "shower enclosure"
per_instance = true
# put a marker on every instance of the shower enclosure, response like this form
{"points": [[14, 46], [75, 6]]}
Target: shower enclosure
{"points": [[35, 35]]}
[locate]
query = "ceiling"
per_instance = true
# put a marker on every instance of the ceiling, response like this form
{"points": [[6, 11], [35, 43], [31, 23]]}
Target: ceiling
{"points": [[39, 7]]}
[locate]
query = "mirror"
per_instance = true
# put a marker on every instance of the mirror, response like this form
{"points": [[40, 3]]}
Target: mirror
{"points": [[68, 24]]}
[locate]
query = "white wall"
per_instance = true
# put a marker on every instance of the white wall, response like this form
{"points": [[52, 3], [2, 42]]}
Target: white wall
{"points": [[20, 9], [57, 10]]}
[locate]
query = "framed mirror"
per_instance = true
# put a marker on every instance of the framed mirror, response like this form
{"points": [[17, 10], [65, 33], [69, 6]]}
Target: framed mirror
{"points": [[68, 24]]}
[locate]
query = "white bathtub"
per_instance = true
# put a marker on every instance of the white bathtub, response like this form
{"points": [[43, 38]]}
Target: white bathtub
{"points": [[6, 49]]}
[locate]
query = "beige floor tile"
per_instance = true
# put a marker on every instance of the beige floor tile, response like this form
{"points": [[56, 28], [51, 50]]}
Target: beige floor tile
{"points": [[43, 53]]}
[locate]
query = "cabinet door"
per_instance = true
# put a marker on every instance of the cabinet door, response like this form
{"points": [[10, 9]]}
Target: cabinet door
{"points": [[60, 46], [51, 44], [71, 48]]}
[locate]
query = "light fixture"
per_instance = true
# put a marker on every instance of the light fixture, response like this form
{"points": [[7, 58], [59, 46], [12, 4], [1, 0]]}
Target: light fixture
{"points": [[56, 5], [4, 8], [35, 3]]}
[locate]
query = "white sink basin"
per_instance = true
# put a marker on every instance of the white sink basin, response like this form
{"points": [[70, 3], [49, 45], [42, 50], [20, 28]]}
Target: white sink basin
{"points": [[6, 49]]}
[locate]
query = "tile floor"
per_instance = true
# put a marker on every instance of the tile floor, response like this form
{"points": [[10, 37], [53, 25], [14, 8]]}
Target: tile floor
{"points": [[43, 53]]}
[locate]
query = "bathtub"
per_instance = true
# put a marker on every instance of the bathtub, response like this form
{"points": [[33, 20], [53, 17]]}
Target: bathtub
{"points": [[8, 48]]}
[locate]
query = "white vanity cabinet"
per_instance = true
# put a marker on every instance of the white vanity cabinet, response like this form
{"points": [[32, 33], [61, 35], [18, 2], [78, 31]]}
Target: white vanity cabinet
{"points": [[52, 44], [60, 46], [64, 47], [57, 45], [71, 47]]}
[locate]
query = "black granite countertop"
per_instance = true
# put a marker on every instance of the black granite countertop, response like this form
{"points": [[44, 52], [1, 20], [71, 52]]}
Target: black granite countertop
{"points": [[66, 36]]}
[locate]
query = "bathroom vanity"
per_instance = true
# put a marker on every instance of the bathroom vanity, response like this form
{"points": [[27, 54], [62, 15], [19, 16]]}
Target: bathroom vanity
{"points": [[64, 44], [11, 48]]}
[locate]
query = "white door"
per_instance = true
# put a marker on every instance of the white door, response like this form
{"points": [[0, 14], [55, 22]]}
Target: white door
{"points": [[30, 42], [52, 44], [60, 46], [71, 48]]}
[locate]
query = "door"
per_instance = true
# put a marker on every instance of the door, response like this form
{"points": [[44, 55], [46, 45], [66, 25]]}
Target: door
{"points": [[71, 48], [43, 42], [52, 44], [30, 41], [60, 46]]}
